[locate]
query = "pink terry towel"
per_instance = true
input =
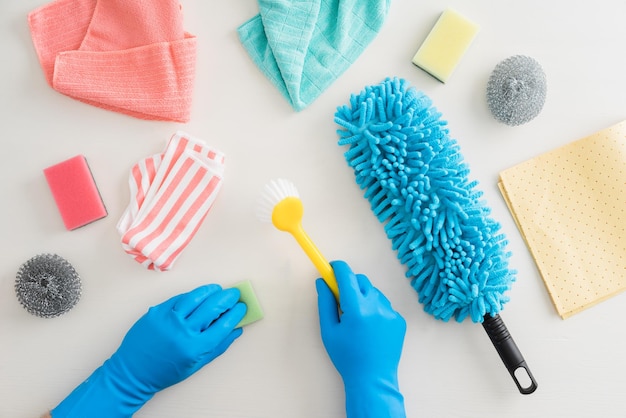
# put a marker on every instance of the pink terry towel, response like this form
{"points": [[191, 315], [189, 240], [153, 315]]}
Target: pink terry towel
{"points": [[170, 195], [129, 56]]}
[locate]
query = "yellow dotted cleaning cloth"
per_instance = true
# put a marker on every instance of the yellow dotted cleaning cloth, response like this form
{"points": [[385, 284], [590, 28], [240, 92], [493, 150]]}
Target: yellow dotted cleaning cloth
{"points": [[570, 206]]}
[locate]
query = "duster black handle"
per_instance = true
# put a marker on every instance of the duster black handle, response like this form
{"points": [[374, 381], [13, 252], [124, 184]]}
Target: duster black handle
{"points": [[509, 353]]}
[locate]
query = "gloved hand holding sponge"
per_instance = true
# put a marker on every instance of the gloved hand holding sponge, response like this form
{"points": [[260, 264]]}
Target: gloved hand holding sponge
{"points": [[166, 345], [178, 337]]}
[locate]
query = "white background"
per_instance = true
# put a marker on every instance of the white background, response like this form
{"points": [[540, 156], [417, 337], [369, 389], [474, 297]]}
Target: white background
{"points": [[279, 368]]}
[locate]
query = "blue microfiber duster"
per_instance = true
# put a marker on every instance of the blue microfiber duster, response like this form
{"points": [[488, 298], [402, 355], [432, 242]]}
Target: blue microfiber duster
{"points": [[417, 184]]}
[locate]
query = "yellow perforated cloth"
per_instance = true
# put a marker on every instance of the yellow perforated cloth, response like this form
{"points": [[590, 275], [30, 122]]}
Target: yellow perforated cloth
{"points": [[570, 206]]}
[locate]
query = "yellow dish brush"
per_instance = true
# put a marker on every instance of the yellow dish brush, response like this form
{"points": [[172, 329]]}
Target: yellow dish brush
{"points": [[280, 204]]}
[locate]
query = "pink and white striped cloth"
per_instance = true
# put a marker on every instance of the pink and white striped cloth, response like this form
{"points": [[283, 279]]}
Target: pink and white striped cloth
{"points": [[170, 195]]}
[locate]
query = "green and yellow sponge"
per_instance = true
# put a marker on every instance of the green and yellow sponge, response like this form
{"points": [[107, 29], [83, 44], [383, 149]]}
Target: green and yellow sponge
{"points": [[254, 313]]}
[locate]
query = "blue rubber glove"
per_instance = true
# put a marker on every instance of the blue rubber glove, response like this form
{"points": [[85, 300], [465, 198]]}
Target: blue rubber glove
{"points": [[165, 346], [364, 342]]}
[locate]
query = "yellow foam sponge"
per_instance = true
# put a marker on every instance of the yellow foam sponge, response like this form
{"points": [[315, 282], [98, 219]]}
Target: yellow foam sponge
{"points": [[254, 313], [445, 45]]}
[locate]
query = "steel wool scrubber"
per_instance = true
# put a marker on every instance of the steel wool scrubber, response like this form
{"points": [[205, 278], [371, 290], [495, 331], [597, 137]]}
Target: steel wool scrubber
{"points": [[417, 184], [47, 285], [516, 90]]}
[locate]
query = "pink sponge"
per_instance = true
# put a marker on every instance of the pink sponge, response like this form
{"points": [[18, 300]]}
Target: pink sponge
{"points": [[75, 192]]}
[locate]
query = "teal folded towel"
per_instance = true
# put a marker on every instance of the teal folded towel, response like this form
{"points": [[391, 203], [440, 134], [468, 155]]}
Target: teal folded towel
{"points": [[303, 46]]}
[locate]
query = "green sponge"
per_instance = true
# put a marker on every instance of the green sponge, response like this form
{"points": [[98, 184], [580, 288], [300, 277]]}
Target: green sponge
{"points": [[248, 297]]}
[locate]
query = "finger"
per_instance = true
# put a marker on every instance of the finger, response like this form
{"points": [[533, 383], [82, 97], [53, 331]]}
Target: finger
{"points": [[326, 305], [211, 308], [226, 342], [223, 326], [221, 347], [207, 357], [168, 305], [188, 302], [382, 300], [365, 286], [347, 283], [236, 314]]}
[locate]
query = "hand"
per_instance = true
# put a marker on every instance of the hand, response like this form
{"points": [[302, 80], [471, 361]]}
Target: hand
{"points": [[176, 338], [364, 341], [165, 346]]}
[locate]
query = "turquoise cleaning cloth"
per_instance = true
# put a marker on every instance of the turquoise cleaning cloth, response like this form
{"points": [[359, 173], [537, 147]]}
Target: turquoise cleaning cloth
{"points": [[303, 46]]}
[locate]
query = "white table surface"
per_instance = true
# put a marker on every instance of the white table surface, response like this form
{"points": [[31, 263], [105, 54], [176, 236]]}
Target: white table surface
{"points": [[279, 367]]}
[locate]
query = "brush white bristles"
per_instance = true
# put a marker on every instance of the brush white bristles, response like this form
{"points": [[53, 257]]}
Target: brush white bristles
{"points": [[280, 205], [273, 192]]}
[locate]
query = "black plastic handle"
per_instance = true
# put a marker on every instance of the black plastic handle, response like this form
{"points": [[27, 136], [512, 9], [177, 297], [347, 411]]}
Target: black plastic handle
{"points": [[509, 353]]}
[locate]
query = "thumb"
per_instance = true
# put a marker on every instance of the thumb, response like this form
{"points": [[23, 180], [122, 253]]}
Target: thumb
{"points": [[218, 350]]}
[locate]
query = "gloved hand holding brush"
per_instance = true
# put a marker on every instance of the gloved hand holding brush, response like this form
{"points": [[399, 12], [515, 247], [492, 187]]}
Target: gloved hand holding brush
{"points": [[169, 343], [364, 341]]}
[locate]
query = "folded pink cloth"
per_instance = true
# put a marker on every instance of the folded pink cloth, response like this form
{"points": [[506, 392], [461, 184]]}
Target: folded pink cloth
{"points": [[128, 56], [170, 195]]}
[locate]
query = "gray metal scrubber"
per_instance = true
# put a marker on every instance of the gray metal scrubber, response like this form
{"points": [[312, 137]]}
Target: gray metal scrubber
{"points": [[47, 285], [516, 90]]}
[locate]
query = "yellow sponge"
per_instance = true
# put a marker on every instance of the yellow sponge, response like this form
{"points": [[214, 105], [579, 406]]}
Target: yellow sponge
{"points": [[248, 297], [446, 43]]}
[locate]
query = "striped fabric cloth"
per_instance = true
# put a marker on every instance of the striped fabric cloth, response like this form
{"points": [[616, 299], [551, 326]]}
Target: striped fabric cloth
{"points": [[128, 56], [170, 195]]}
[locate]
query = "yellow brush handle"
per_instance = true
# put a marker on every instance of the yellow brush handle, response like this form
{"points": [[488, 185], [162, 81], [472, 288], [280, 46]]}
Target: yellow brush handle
{"points": [[323, 266]]}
